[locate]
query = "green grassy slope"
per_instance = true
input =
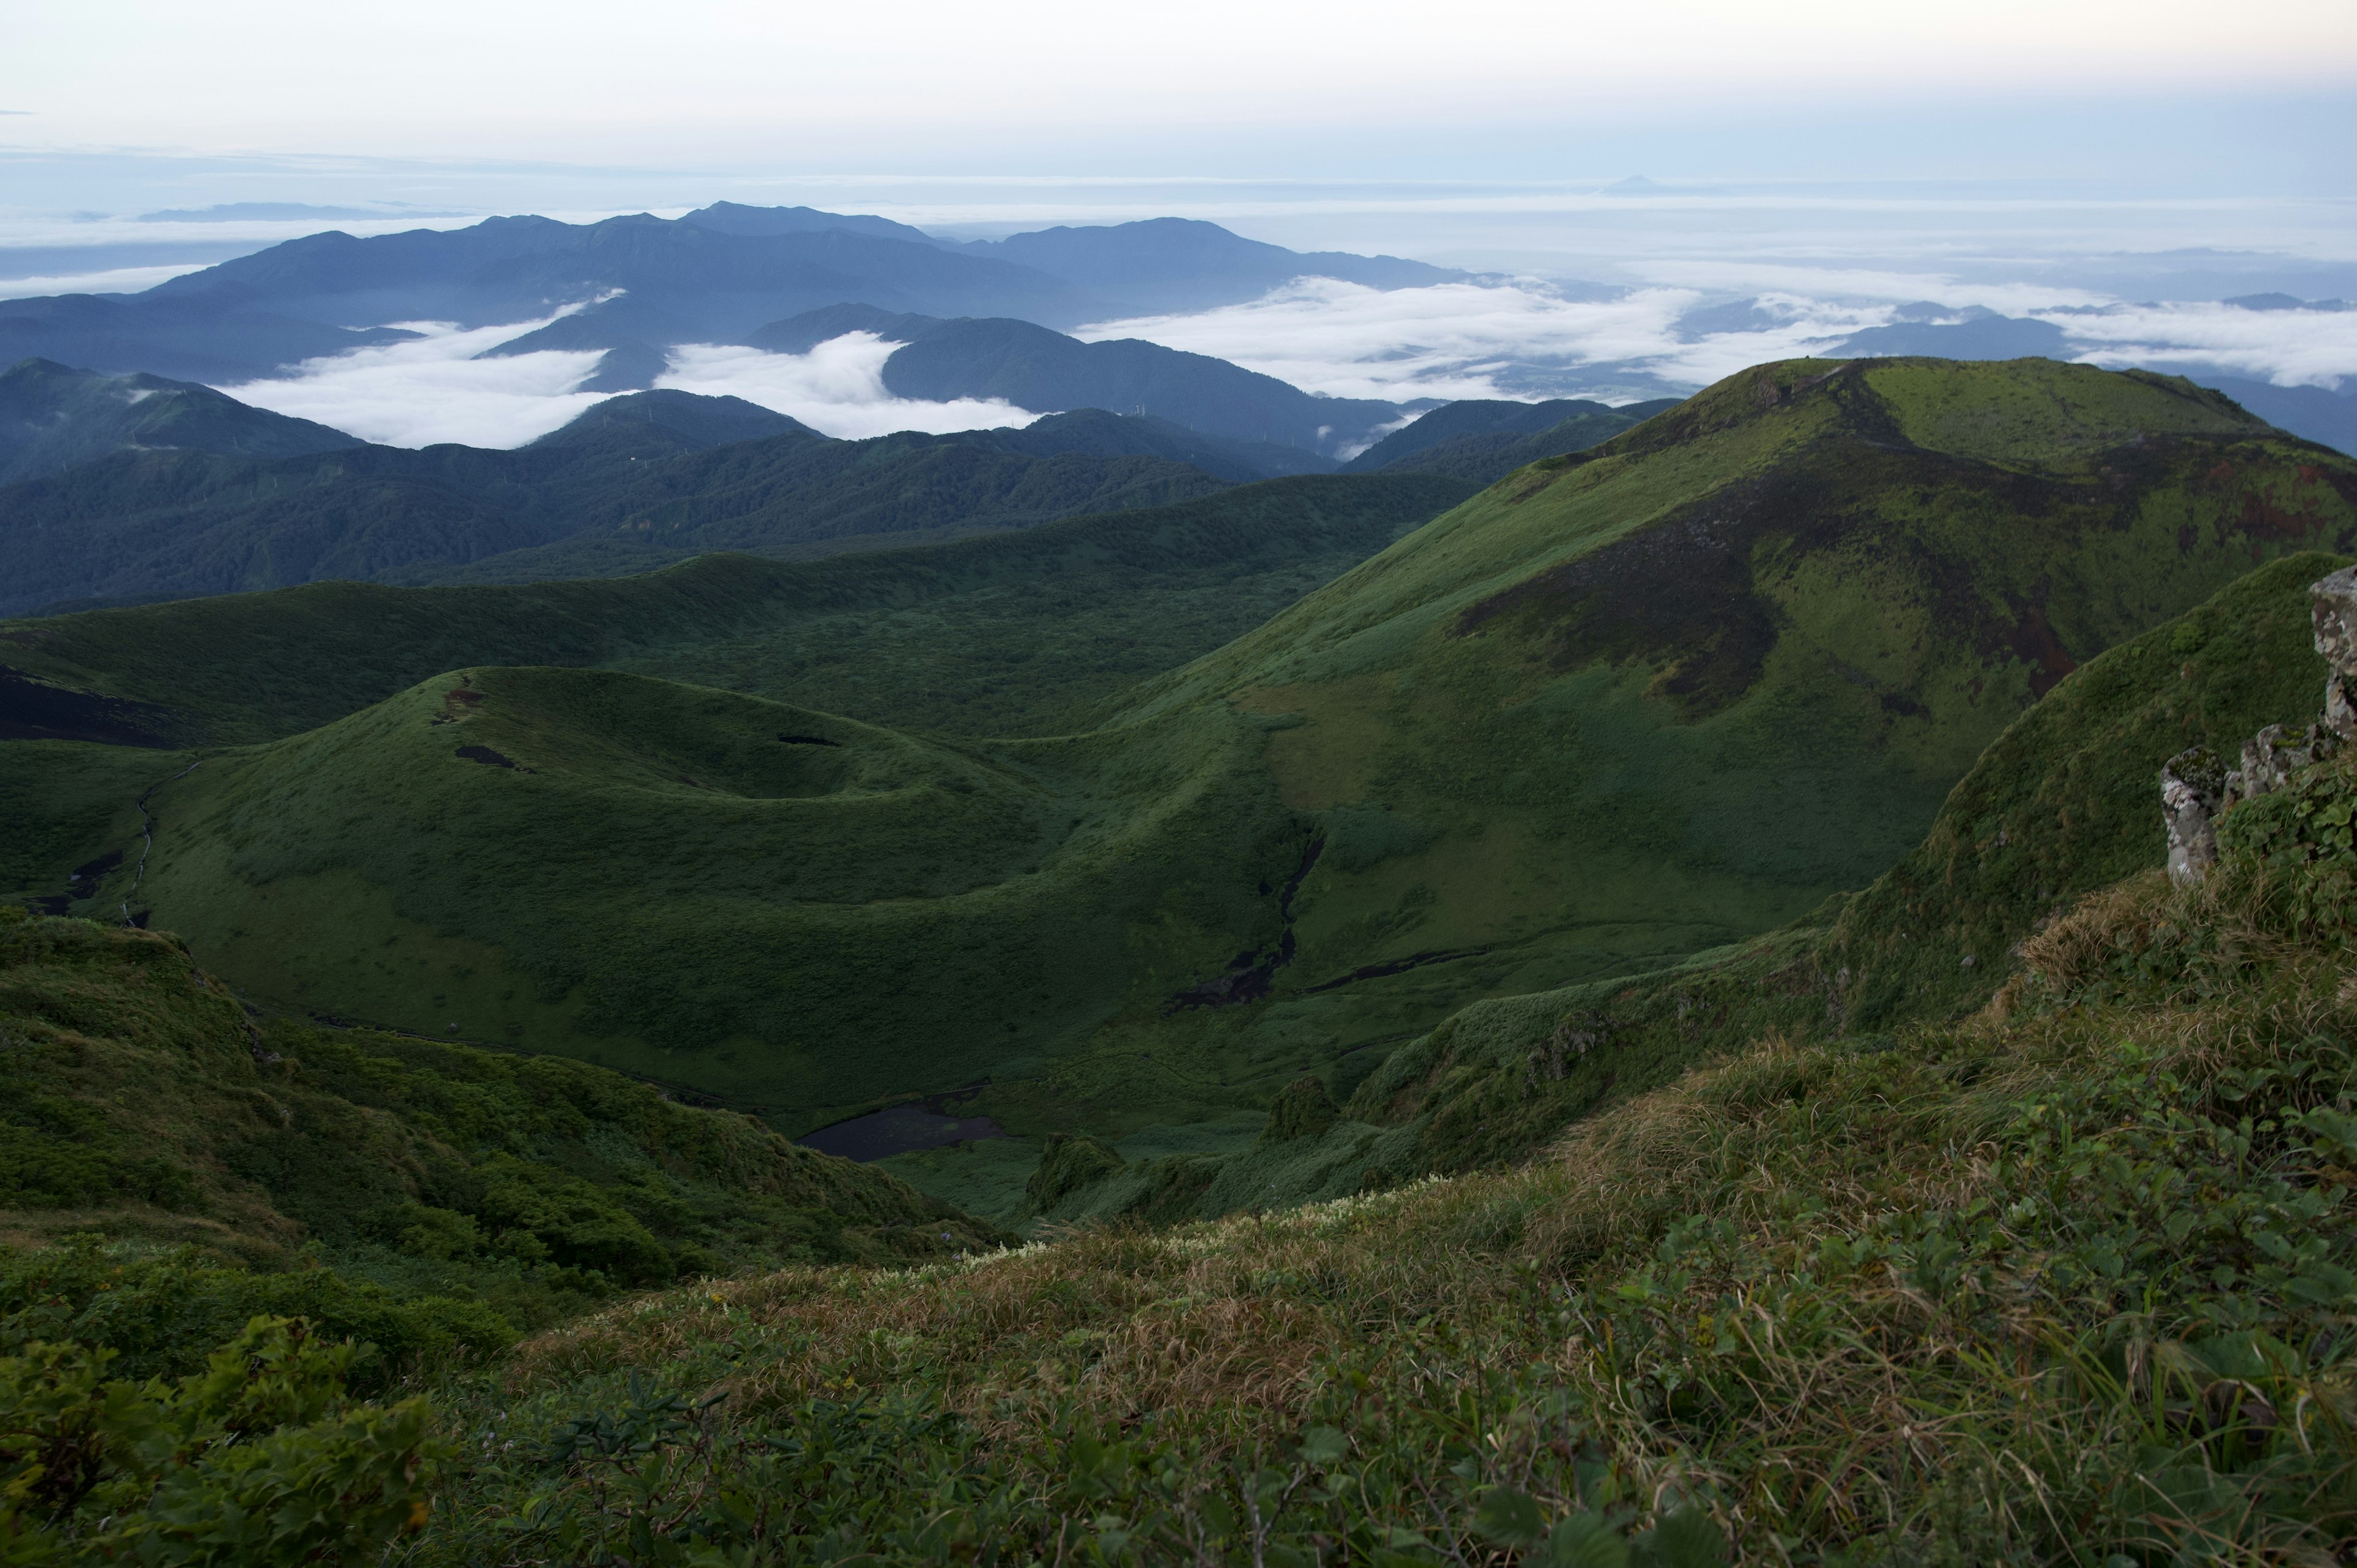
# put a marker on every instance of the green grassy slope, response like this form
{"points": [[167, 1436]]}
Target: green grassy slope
{"points": [[145, 1103], [2063, 803], [993, 635], [1678, 691]]}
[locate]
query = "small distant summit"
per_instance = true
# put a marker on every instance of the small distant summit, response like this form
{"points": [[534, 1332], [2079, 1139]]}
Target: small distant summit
{"points": [[265, 211], [1635, 185], [2284, 302]]}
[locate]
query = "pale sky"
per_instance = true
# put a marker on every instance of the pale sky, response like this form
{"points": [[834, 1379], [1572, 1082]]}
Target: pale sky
{"points": [[934, 79]]}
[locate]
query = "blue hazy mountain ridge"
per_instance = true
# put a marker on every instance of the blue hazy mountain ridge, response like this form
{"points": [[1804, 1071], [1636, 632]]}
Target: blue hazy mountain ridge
{"points": [[1982, 334], [1486, 441], [1160, 264], [2327, 418], [633, 482], [53, 417], [218, 337], [719, 286], [1042, 370], [1471, 416], [709, 276]]}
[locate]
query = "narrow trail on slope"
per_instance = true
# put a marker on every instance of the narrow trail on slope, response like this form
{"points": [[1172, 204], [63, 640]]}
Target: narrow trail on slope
{"points": [[147, 834]]}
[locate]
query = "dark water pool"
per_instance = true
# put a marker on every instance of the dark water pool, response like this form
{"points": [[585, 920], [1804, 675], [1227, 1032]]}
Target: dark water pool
{"points": [[902, 1130]]}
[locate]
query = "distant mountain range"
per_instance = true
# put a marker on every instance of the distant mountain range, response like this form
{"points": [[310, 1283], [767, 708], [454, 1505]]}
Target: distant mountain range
{"points": [[1036, 367], [713, 275], [631, 485], [133, 489]]}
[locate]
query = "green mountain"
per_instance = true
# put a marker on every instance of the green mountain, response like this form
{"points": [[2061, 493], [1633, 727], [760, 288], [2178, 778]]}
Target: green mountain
{"points": [[52, 417], [1622, 707], [620, 489]]}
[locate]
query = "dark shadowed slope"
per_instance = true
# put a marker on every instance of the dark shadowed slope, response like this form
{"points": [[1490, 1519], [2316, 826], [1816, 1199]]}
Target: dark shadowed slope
{"points": [[627, 488], [997, 635]]}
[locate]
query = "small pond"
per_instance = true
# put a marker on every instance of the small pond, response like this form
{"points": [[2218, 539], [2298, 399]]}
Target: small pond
{"points": [[902, 1130]]}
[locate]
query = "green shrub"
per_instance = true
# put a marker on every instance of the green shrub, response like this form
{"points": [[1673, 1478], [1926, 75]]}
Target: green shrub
{"points": [[160, 1315], [258, 1459]]}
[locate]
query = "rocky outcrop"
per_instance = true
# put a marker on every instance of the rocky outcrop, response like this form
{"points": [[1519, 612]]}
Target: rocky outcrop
{"points": [[2196, 789]]}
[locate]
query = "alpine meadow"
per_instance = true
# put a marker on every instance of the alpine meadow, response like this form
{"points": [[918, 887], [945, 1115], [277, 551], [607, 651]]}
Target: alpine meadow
{"points": [[746, 886]]}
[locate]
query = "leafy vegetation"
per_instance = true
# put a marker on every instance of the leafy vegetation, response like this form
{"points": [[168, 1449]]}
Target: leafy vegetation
{"points": [[1998, 1212]]}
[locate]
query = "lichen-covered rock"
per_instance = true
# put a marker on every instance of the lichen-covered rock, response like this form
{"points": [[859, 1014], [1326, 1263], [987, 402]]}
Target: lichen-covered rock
{"points": [[2192, 791], [2333, 605], [2196, 789]]}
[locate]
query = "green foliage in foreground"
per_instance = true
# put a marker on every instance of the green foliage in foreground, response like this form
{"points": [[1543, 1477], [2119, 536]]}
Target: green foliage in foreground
{"points": [[256, 1459]]}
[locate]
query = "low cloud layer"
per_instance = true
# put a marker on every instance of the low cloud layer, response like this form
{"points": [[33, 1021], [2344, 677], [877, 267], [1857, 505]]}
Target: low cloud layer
{"points": [[1460, 340], [2290, 348], [1525, 339], [434, 390], [1511, 339], [836, 389]]}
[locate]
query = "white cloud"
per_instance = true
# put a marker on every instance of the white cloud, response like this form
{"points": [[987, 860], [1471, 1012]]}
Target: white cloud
{"points": [[836, 389], [1459, 340], [1750, 276], [115, 280], [434, 390], [2290, 348]]}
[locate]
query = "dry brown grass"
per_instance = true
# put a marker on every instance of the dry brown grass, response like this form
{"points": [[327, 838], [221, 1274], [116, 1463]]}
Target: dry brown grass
{"points": [[1226, 1316]]}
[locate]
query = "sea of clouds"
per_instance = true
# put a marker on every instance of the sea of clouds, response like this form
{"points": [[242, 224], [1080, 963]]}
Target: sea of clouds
{"points": [[1497, 337]]}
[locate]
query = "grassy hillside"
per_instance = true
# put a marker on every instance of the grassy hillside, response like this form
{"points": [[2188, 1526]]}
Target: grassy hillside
{"points": [[2061, 1282], [2062, 804]]}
